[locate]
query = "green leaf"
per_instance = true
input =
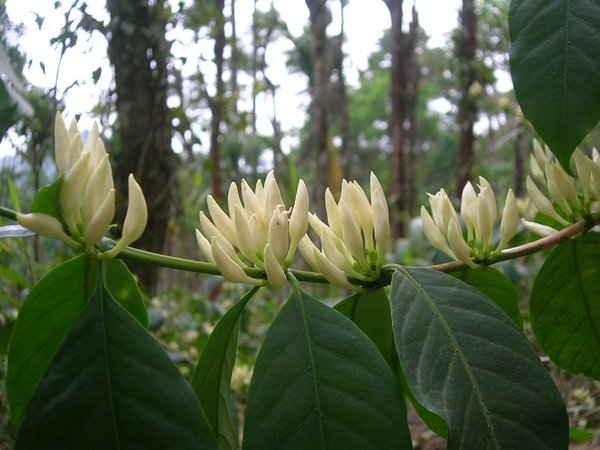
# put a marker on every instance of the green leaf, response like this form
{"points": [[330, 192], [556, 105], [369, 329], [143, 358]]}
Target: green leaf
{"points": [[212, 377], [112, 386], [47, 200], [497, 287], [565, 305], [370, 311], [320, 383], [44, 320], [46, 316], [555, 61], [121, 284], [465, 360]]}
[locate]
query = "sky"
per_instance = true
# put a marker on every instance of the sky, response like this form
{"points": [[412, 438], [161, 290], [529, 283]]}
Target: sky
{"points": [[364, 21]]}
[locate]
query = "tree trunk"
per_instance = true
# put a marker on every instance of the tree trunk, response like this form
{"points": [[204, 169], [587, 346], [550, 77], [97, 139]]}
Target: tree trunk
{"points": [[467, 109], [398, 98], [319, 19], [413, 71], [216, 102], [341, 109], [138, 50]]}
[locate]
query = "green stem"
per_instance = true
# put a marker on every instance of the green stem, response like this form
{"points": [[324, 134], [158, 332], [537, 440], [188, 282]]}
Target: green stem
{"points": [[8, 213]]}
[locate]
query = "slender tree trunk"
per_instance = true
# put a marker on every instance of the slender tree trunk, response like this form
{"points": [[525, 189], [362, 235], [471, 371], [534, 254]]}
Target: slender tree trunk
{"points": [[398, 98], [319, 19], [138, 50], [342, 97], [413, 70], [216, 102], [467, 109]]}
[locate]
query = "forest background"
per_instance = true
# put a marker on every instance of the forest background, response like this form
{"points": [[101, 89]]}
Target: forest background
{"points": [[189, 102]]}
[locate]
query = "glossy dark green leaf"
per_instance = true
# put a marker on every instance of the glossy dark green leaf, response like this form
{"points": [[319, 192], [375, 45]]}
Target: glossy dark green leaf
{"points": [[370, 311], [46, 200], [555, 62], [497, 287], [320, 383], [465, 360], [112, 386], [45, 317], [44, 320], [565, 305], [123, 287], [212, 377]]}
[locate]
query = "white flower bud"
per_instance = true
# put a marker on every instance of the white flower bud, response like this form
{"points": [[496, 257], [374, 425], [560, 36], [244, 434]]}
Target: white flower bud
{"points": [[458, 245], [595, 155], [273, 269], [244, 239], [363, 213], [230, 270], [221, 220], [468, 209], [351, 234], [101, 220], [278, 233], [538, 228], [257, 233], [272, 195], [62, 142], [584, 172], [92, 138], [595, 179], [45, 225], [490, 198], [542, 203], [233, 199], [485, 219], [534, 168], [540, 154], [307, 247], [510, 220], [298, 225], [252, 205], [98, 151], [375, 185], [137, 213], [334, 275], [333, 213], [555, 190], [566, 183], [434, 235], [71, 192], [381, 221], [315, 223], [204, 246], [97, 188]]}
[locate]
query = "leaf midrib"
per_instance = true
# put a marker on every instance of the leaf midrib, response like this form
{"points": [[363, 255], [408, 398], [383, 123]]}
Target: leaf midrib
{"points": [[438, 316]]}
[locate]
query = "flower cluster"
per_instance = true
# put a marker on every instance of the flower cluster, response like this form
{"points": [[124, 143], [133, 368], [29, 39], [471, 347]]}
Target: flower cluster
{"points": [[259, 230], [479, 214], [569, 199], [354, 239], [87, 195]]}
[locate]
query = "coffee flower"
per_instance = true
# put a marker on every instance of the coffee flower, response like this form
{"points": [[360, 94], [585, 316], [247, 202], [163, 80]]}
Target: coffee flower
{"points": [[258, 231], [354, 240], [559, 196], [87, 195], [479, 214]]}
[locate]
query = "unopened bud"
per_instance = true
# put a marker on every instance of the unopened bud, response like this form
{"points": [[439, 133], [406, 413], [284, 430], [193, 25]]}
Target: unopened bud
{"points": [[538, 228], [334, 275], [584, 172], [352, 236], [510, 220], [45, 225], [307, 247], [458, 245], [468, 209], [230, 270], [204, 246], [433, 234], [97, 188], [221, 220], [298, 225], [62, 142], [273, 269], [278, 233], [381, 221], [333, 213], [542, 203], [99, 223]]}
